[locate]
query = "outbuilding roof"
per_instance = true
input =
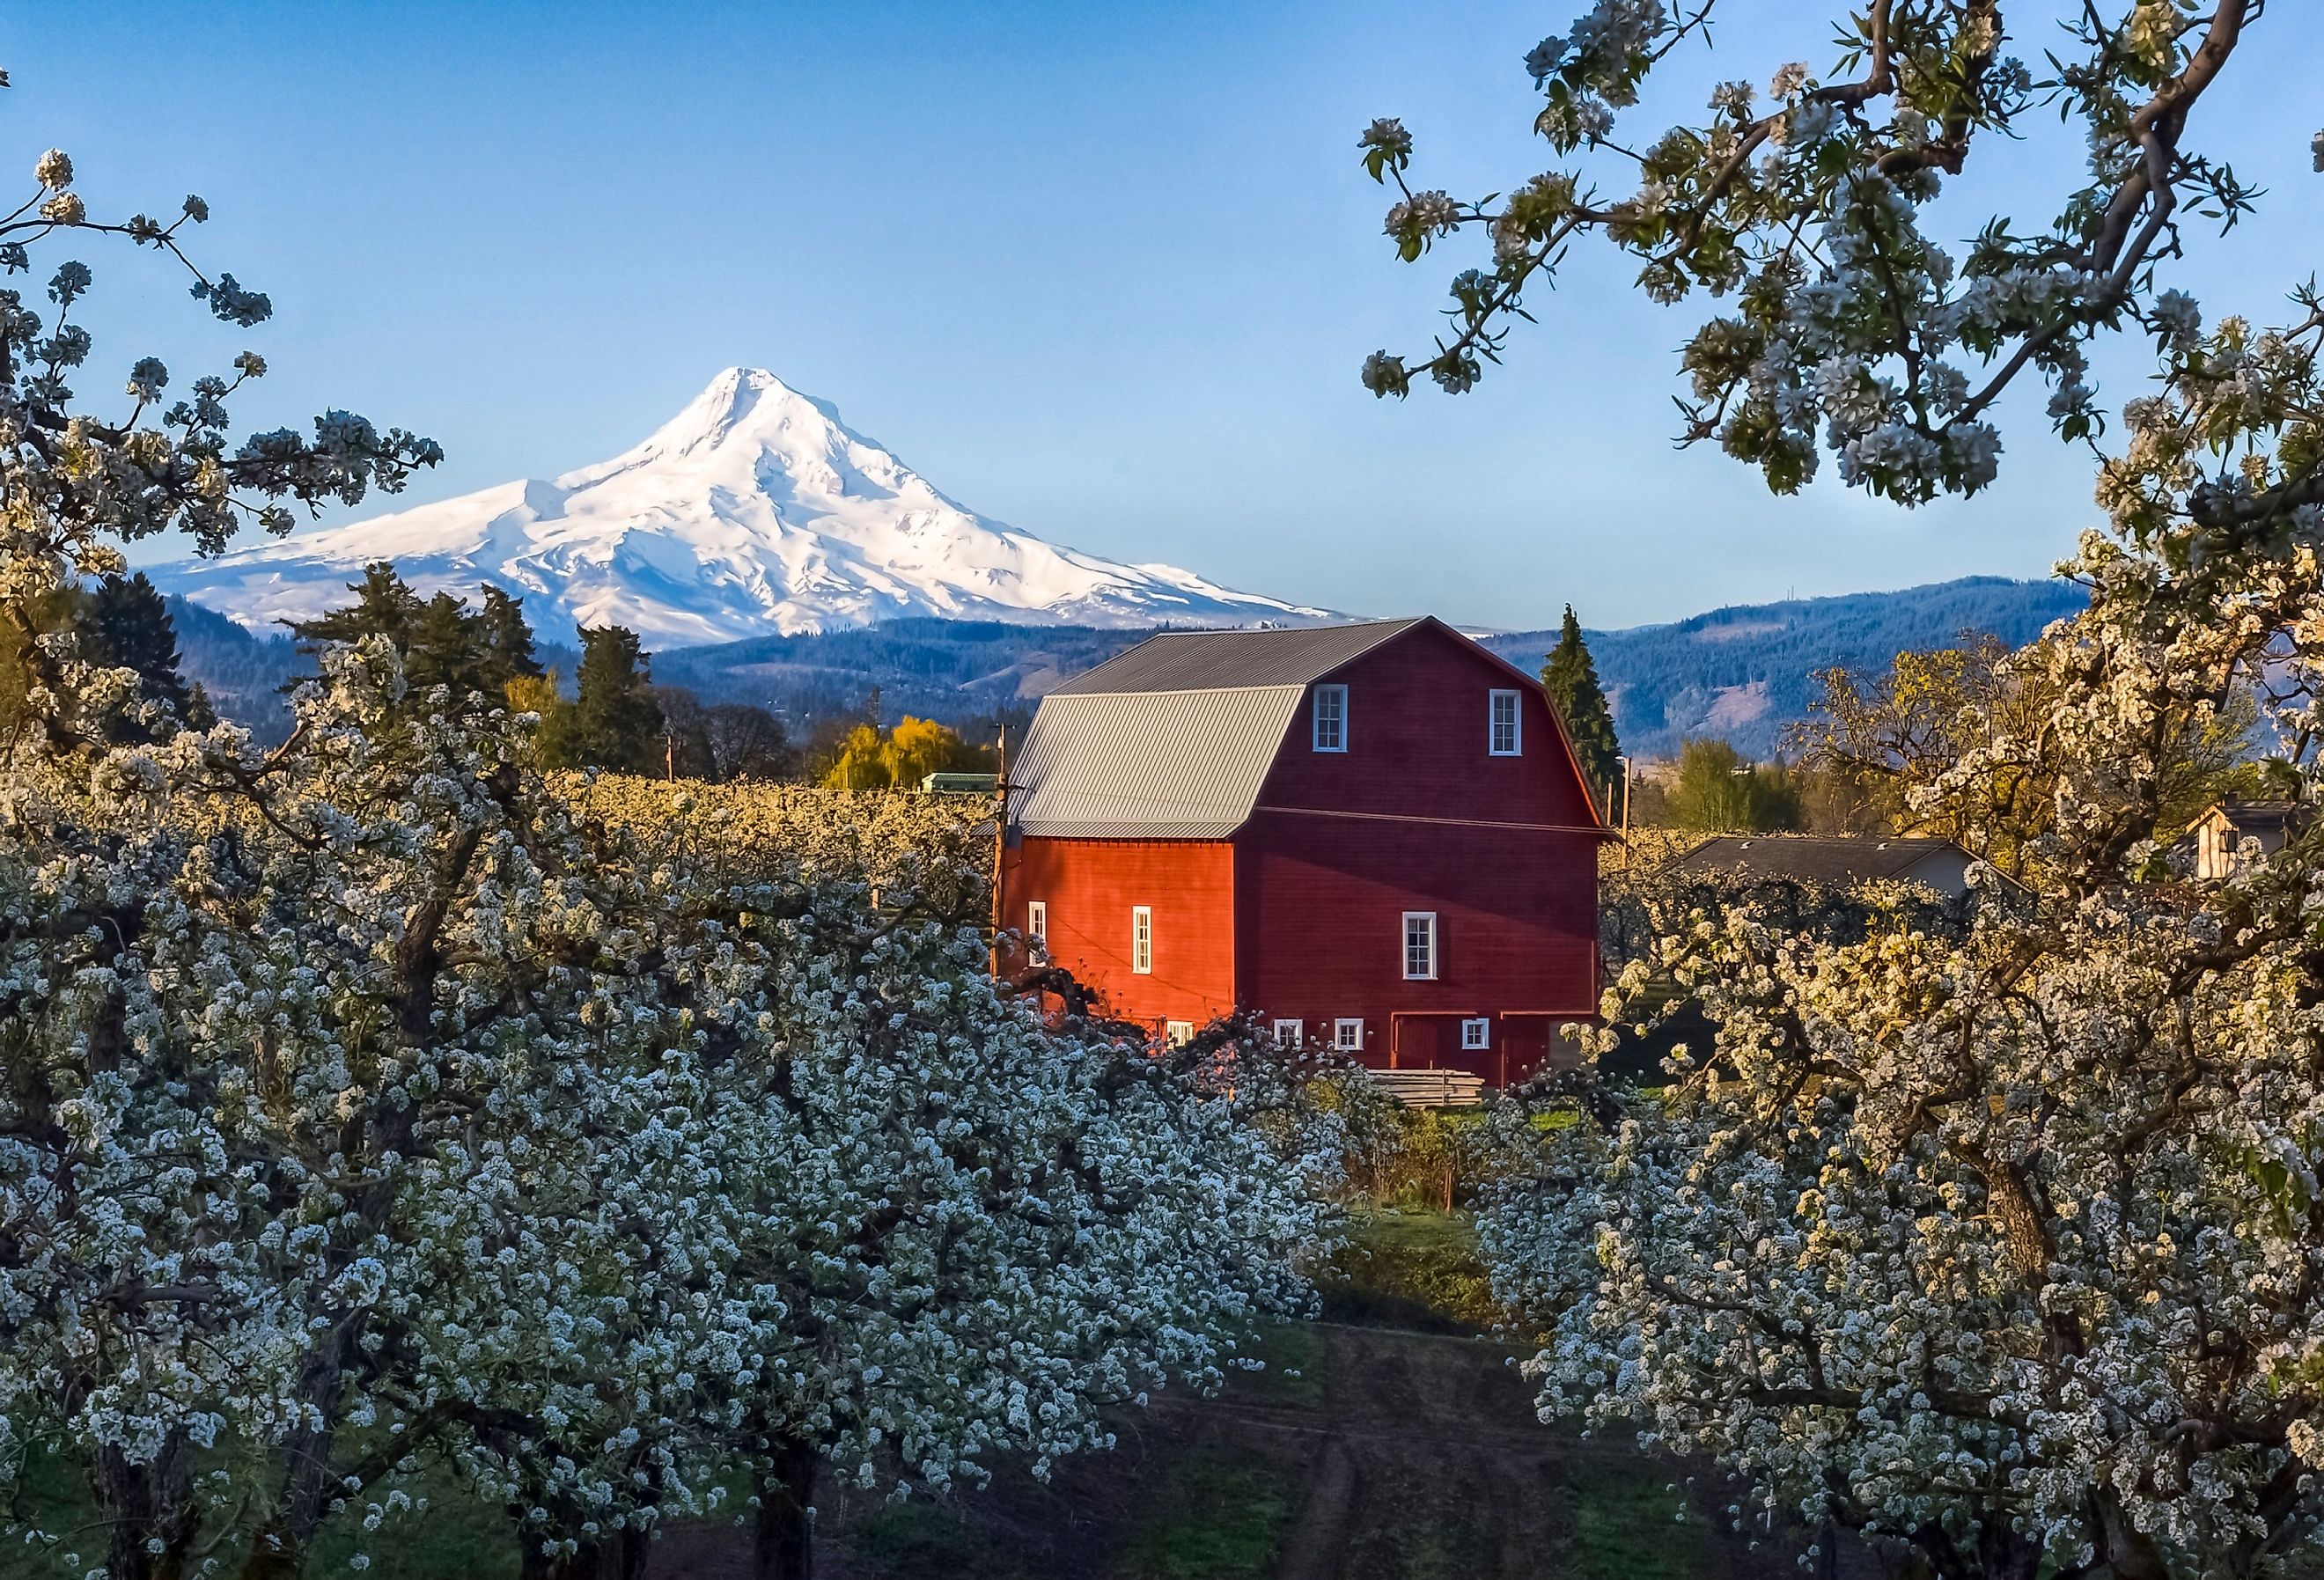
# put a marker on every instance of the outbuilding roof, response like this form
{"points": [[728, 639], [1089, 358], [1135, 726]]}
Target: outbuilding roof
{"points": [[1812, 858], [2254, 816]]}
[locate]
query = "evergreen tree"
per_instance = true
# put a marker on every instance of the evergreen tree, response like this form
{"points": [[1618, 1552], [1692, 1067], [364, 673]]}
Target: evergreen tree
{"points": [[384, 606], [614, 722], [507, 638], [124, 624], [1571, 680], [472, 653], [447, 649]]}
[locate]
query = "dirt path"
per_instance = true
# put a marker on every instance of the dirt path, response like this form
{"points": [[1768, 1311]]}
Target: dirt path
{"points": [[1417, 1458]]}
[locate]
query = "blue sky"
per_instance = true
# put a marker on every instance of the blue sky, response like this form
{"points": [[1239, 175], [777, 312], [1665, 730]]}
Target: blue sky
{"points": [[1104, 272]]}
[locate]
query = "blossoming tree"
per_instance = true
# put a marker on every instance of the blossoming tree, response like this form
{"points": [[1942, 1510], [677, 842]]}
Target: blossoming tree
{"points": [[2001, 1246], [366, 1103]]}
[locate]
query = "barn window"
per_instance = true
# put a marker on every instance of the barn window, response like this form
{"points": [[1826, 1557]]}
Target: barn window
{"points": [[1348, 1036], [1331, 719], [1477, 1033], [1290, 1033], [1177, 1033], [1420, 946], [1141, 939], [1037, 928], [1501, 729]]}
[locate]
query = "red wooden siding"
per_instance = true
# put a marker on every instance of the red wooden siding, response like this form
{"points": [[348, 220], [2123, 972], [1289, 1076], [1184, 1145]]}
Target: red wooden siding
{"points": [[1090, 886], [1319, 930], [1416, 742], [1300, 915]]}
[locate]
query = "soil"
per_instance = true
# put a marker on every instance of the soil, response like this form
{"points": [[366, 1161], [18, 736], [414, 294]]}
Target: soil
{"points": [[1417, 1457]]}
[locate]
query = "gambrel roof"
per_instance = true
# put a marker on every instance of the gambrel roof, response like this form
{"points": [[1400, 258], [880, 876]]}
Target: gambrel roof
{"points": [[1172, 739], [1218, 661]]}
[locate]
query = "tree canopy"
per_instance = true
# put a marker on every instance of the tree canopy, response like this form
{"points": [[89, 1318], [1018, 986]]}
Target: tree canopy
{"points": [[367, 1105], [1995, 1243]]}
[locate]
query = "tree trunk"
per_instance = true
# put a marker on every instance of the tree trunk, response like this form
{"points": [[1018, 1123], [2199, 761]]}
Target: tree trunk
{"points": [[2003, 1554], [149, 1503], [2130, 1554], [279, 1552], [786, 1484]]}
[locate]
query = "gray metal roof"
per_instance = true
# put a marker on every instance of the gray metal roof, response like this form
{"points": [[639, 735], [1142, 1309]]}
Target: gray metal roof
{"points": [[1212, 660], [2257, 816], [1164, 765], [1811, 858]]}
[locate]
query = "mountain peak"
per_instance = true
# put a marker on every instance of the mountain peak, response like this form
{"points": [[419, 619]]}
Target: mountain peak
{"points": [[753, 510]]}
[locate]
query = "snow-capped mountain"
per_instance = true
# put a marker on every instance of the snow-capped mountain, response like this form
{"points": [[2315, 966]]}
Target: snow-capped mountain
{"points": [[752, 511]]}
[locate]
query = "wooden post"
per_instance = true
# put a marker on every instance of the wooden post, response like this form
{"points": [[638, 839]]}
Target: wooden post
{"points": [[1001, 849], [1626, 813]]}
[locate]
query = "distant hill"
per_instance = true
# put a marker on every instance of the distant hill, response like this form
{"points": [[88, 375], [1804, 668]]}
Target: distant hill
{"points": [[945, 670], [1740, 673], [1744, 672]]}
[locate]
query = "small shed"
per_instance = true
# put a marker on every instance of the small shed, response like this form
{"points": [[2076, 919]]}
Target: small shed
{"points": [[1938, 865], [2231, 833]]}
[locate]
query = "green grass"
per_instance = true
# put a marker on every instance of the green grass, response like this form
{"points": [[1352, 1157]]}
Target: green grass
{"points": [[1411, 1269], [1293, 1354], [924, 1541], [456, 1534], [1211, 1514], [1626, 1526]]}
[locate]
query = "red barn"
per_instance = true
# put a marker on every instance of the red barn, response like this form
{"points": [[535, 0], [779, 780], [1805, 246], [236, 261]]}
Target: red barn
{"points": [[1375, 835]]}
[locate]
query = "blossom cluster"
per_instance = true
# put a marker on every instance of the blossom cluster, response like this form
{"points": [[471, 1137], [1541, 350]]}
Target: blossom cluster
{"points": [[1998, 1236], [368, 1101], [1852, 336]]}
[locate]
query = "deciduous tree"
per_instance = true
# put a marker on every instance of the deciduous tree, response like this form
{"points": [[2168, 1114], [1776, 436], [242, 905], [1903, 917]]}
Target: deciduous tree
{"points": [[2001, 1246]]}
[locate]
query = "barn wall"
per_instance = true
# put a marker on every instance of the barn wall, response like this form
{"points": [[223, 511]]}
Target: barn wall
{"points": [[1322, 893], [1319, 925], [1090, 886], [1416, 742]]}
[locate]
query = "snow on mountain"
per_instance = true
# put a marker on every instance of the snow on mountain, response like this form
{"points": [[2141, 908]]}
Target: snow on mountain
{"points": [[753, 511]]}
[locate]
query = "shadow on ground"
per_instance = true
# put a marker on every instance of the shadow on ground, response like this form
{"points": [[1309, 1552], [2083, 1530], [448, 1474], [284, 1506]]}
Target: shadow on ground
{"points": [[1386, 1443]]}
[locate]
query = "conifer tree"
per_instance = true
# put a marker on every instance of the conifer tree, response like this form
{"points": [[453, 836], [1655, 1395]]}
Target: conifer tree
{"points": [[124, 624], [507, 636], [447, 649], [471, 654], [384, 606], [1571, 680], [614, 722]]}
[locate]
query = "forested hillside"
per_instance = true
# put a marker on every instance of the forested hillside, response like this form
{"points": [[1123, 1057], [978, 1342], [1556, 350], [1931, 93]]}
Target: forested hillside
{"points": [[1742, 673], [1739, 674]]}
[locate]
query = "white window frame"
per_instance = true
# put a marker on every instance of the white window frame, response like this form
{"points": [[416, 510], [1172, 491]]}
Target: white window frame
{"points": [[1429, 970], [1476, 1031], [1290, 1033], [1348, 1035], [1493, 721], [1142, 939], [1177, 1033], [1339, 718], [1036, 927]]}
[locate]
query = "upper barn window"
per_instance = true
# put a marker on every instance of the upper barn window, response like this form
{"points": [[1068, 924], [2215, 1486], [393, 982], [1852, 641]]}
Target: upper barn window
{"points": [[1501, 738], [1331, 719]]}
